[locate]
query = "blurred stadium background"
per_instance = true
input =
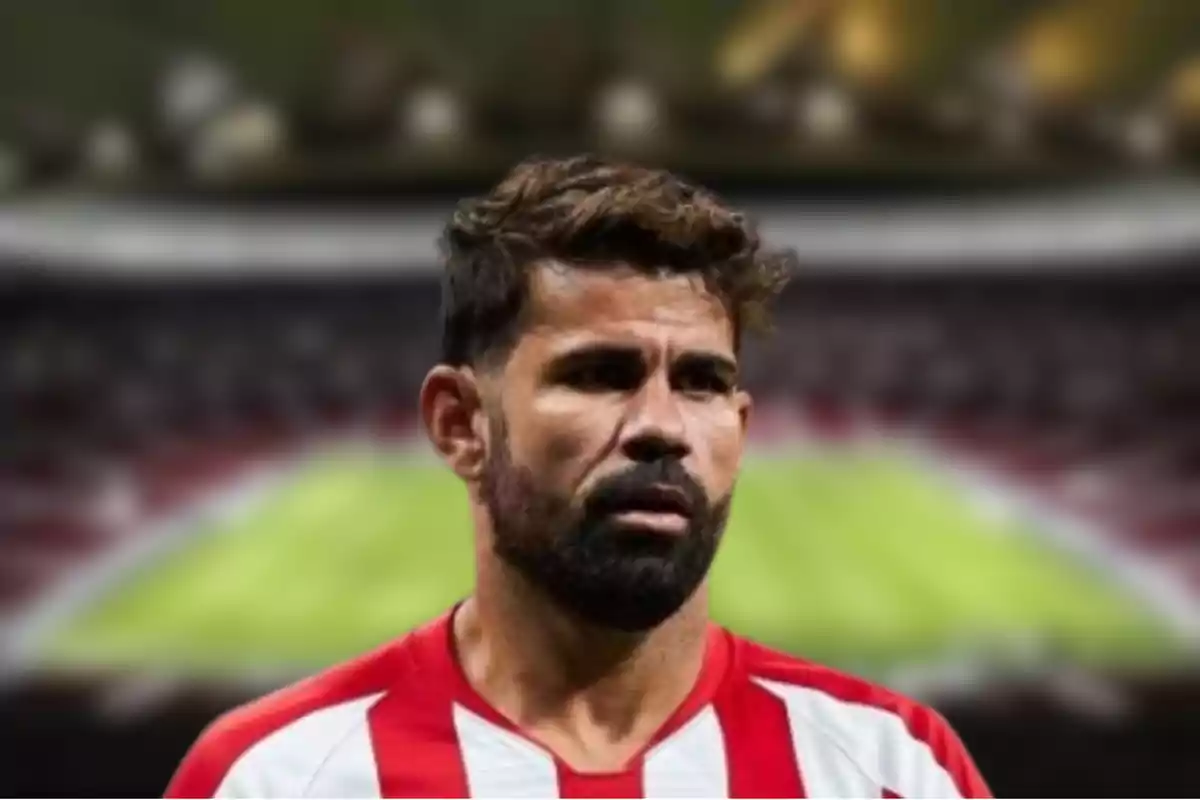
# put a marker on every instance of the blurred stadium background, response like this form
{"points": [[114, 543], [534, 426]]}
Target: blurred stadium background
{"points": [[976, 471]]}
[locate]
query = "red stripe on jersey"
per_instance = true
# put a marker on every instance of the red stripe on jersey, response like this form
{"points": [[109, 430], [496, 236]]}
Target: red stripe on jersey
{"points": [[888, 794], [416, 748], [618, 784], [760, 758]]}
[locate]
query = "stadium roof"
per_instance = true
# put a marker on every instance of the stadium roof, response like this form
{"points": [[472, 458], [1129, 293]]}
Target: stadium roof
{"points": [[1096, 228]]}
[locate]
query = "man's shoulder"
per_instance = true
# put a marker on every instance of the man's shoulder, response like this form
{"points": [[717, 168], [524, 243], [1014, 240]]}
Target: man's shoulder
{"points": [[788, 675], [277, 743], [894, 740]]}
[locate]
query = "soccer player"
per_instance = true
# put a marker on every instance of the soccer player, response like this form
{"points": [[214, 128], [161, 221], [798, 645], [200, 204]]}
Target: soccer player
{"points": [[588, 399]]}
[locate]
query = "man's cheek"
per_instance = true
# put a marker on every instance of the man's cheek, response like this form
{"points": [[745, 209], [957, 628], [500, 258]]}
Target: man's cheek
{"points": [[720, 433], [553, 458], [725, 466], [570, 430]]}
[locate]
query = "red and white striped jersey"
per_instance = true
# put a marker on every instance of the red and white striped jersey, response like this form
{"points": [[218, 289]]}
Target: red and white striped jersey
{"points": [[404, 722]]}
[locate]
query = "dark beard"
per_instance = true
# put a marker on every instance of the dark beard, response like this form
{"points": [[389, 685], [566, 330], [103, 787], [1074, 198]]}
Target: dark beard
{"points": [[605, 574]]}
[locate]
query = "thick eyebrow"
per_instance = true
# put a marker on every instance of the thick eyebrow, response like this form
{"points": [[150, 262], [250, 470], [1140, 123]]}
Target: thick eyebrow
{"points": [[589, 354], [718, 363]]}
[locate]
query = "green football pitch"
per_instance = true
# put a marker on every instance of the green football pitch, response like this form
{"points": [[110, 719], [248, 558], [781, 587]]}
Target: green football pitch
{"points": [[863, 561]]}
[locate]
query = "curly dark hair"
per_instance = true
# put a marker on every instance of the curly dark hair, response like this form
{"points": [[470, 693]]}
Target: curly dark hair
{"points": [[591, 213]]}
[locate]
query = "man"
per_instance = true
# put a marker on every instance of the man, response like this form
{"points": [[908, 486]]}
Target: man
{"points": [[588, 399]]}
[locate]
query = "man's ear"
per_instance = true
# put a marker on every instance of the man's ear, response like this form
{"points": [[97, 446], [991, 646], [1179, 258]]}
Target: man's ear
{"points": [[745, 407], [452, 412]]}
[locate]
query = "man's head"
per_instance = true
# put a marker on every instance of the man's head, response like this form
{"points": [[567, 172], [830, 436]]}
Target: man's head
{"points": [[588, 393]]}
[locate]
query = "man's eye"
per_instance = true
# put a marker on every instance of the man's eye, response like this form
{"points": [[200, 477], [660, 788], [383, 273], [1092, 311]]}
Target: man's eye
{"points": [[603, 377], [704, 382]]}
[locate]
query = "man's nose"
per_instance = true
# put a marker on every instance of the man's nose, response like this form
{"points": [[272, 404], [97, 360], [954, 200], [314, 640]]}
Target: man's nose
{"points": [[656, 430]]}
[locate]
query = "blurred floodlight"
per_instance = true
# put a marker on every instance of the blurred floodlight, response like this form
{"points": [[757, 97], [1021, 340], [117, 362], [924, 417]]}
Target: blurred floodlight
{"points": [[110, 149], [826, 114], [246, 135], [768, 33], [1059, 60], [194, 89], [1147, 136], [864, 45], [628, 112], [1183, 93], [432, 115]]}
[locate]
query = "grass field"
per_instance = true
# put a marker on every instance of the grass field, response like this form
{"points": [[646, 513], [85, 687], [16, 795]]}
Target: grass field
{"points": [[861, 561]]}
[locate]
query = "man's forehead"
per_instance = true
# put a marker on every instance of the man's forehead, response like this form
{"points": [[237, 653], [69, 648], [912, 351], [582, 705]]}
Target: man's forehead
{"points": [[621, 302]]}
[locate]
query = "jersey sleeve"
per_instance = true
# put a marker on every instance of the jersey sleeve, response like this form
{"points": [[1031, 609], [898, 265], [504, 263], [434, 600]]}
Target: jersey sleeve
{"points": [[949, 754]]}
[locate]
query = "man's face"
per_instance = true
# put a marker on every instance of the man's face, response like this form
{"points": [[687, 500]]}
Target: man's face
{"points": [[614, 452]]}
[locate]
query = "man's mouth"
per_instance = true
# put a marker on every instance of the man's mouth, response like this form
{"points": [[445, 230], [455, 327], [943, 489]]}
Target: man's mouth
{"points": [[662, 509]]}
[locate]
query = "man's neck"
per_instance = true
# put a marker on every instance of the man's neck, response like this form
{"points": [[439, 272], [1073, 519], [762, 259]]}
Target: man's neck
{"points": [[593, 696]]}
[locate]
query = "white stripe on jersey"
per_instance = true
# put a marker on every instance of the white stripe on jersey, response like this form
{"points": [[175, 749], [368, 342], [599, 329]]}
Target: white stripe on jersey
{"points": [[327, 753], [500, 763], [854, 750], [691, 763]]}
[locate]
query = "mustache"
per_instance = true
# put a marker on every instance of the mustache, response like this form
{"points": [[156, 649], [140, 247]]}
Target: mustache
{"points": [[636, 486]]}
